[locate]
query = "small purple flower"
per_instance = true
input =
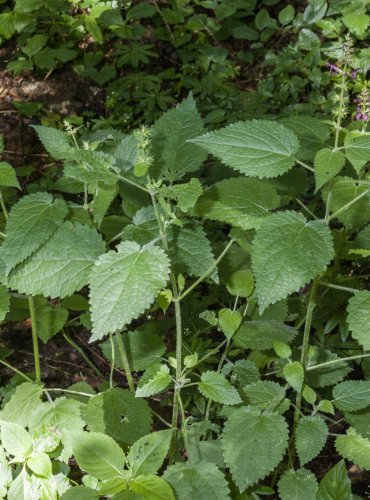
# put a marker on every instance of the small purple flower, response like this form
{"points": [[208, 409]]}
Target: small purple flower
{"points": [[332, 68], [356, 101], [358, 116], [354, 74], [365, 117]]}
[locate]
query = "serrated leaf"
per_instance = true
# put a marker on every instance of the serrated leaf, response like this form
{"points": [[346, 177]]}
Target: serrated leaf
{"points": [[55, 141], [359, 317], [152, 488], [287, 253], [4, 302], [358, 150], [198, 482], [311, 435], [62, 265], [352, 395], [49, 321], [8, 177], [241, 283], [246, 372], [40, 463], [344, 191], [282, 350], [123, 284], [216, 387], [118, 414], [294, 374], [327, 375], [360, 422], [335, 485], [90, 167], [258, 148], [15, 439], [253, 445], [261, 335], [328, 164], [158, 381], [229, 321], [98, 455], [147, 455], [312, 134], [174, 156], [263, 392], [355, 448], [26, 398], [239, 201], [186, 194], [31, 223], [298, 484], [103, 197]]}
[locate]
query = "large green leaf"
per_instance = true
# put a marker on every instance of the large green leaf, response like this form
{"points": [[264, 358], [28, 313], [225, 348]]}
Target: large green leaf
{"points": [[359, 317], [253, 445], [174, 156], [15, 439], [335, 485], [30, 224], [216, 387], [287, 253], [98, 455], [90, 167], [22, 404], [311, 132], [329, 374], [263, 393], [123, 284], [358, 150], [155, 380], [311, 436], [119, 414], [63, 265], [355, 448], [328, 164], [360, 422], [198, 482], [240, 201], [352, 395], [55, 141], [147, 455], [258, 148], [295, 484], [185, 194], [261, 335], [151, 488]]}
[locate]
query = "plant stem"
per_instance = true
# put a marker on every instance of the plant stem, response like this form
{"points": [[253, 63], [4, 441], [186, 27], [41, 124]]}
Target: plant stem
{"points": [[3, 207], [334, 361], [306, 208], [347, 205], [214, 265], [68, 391], [113, 360], [35, 342], [304, 165], [83, 355], [125, 363], [15, 370], [133, 183], [339, 287]]}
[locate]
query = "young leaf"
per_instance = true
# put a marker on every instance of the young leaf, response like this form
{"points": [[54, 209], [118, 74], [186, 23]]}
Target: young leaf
{"points": [[311, 436], [327, 164], [15, 439], [31, 223], [98, 455], [298, 484], [282, 350], [258, 148], [123, 284], [288, 252], [103, 196], [352, 395], [40, 463], [241, 283], [55, 141], [90, 166], [118, 414], [263, 392], [358, 150], [240, 201], [49, 321], [294, 374], [229, 321], [359, 317], [8, 177], [253, 445], [186, 195], [201, 481], [262, 335], [216, 387], [172, 153], [62, 265], [335, 485], [355, 448], [147, 455], [152, 488], [156, 382]]}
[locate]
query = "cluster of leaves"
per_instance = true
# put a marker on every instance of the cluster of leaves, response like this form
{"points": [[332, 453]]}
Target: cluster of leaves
{"points": [[238, 58], [275, 226]]}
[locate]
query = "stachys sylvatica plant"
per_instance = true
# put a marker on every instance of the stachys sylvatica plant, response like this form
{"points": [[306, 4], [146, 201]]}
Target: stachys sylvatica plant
{"points": [[224, 273]]}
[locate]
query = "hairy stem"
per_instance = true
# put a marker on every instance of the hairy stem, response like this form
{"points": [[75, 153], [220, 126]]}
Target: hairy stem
{"points": [[35, 342], [83, 355], [3, 207], [348, 205], [125, 363], [335, 361], [15, 370]]}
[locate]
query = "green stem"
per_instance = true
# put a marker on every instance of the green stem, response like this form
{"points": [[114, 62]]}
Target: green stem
{"points": [[83, 354], [3, 207], [125, 363], [304, 165], [334, 361], [133, 183], [306, 208], [15, 370], [214, 265], [347, 205], [35, 342], [339, 287], [2, 235], [68, 391], [113, 360]]}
